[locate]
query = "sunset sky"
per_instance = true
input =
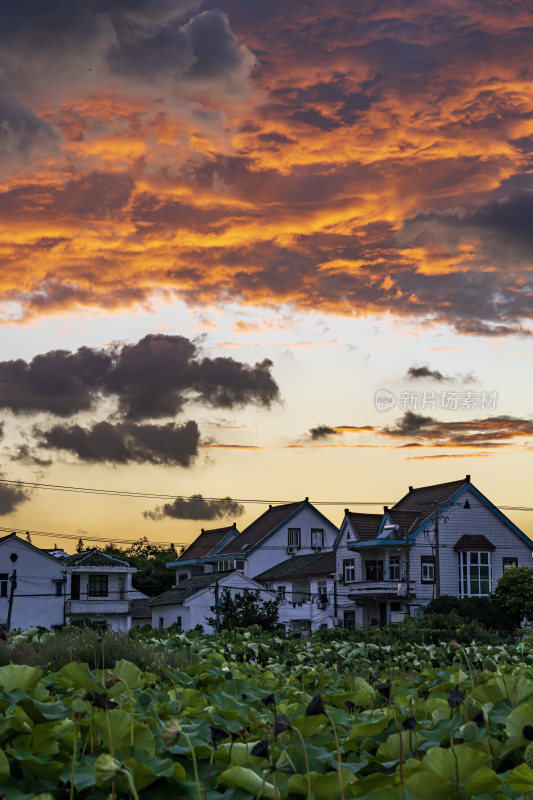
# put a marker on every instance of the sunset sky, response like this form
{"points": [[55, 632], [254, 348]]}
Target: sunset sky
{"points": [[224, 226]]}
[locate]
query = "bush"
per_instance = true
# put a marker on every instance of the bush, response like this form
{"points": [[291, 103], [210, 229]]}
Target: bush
{"points": [[481, 610]]}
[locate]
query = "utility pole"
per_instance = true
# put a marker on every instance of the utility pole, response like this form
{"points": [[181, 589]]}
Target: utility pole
{"points": [[13, 586], [437, 552], [217, 608], [335, 603]]}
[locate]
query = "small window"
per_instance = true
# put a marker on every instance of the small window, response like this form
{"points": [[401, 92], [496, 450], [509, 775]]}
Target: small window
{"points": [[58, 588], [183, 577], [161, 622], [3, 584], [98, 586], [510, 561], [239, 564], [427, 569], [467, 504], [348, 570], [374, 570], [394, 568], [178, 622], [294, 539], [281, 592], [317, 537], [322, 590], [395, 607]]}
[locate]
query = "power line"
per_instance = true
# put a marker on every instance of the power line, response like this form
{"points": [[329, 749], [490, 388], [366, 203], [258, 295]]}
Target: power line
{"points": [[194, 498]]}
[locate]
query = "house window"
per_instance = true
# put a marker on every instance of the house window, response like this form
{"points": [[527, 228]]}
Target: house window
{"points": [[317, 537], [294, 538], [322, 589], [183, 577], [281, 592], [58, 588], [394, 568], [395, 607], [161, 622], [510, 561], [474, 574], [75, 587], [239, 564], [348, 570], [349, 620], [121, 588], [374, 570], [427, 569], [178, 622], [226, 565], [3, 584], [98, 586]]}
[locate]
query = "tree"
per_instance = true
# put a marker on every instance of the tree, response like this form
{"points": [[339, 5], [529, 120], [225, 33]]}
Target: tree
{"points": [[80, 547], [152, 576], [243, 609], [514, 594]]}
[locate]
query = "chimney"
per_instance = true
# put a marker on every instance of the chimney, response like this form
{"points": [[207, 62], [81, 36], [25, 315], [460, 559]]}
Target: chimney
{"points": [[410, 488], [385, 509], [270, 505], [306, 499], [203, 531], [346, 510], [468, 478]]}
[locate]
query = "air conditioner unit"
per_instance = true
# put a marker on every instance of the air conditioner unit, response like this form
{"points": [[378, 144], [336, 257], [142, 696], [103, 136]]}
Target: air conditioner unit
{"points": [[291, 549]]}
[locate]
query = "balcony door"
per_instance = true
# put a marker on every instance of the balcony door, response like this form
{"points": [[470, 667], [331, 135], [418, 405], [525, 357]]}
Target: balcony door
{"points": [[75, 587]]}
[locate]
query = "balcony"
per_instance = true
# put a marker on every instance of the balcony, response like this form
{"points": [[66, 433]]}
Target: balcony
{"points": [[97, 605], [305, 610], [380, 589]]}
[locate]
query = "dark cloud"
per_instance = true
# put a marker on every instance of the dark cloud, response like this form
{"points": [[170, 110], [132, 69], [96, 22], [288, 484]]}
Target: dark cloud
{"points": [[197, 508], [22, 134], [151, 379], [11, 496], [124, 443], [322, 432], [409, 424], [414, 373], [26, 455]]}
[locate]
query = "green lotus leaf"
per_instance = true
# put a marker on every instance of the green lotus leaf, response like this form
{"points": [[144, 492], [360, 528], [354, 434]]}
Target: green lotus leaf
{"points": [[117, 730], [423, 785], [19, 676], [4, 767], [78, 676], [398, 745], [454, 764], [324, 787], [370, 728], [517, 720], [250, 781], [482, 780], [129, 673], [520, 779]]}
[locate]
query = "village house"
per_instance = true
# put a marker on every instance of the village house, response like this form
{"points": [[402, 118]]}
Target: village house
{"points": [[284, 533], [442, 539], [47, 587]]}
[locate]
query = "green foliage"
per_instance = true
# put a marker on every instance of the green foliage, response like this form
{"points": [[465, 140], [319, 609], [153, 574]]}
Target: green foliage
{"points": [[251, 714], [482, 610], [514, 594], [242, 610], [152, 576]]}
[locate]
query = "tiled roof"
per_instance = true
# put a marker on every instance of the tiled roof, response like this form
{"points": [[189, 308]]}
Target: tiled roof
{"points": [[184, 590], [271, 519], [300, 567], [418, 504], [140, 607], [473, 541], [205, 543], [366, 526], [94, 558]]}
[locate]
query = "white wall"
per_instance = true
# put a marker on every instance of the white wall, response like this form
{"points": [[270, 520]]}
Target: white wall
{"points": [[36, 572], [274, 549]]}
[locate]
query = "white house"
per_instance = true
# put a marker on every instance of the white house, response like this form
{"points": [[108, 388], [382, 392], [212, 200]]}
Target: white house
{"points": [[33, 585], [99, 588], [395, 563], [290, 531], [190, 602]]}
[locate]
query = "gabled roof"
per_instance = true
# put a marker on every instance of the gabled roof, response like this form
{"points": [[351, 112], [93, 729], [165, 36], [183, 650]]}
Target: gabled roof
{"points": [[140, 607], [365, 526], [262, 527], [300, 567], [44, 553], [184, 590], [206, 543], [94, 558], [418, 505]]}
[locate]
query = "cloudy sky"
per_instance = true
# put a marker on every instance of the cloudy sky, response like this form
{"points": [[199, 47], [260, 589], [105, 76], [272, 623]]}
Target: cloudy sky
{"points": [[225, 226]]}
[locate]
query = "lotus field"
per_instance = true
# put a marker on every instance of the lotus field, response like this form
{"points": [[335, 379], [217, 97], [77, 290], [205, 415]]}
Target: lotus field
{"points": [[252, 715]]}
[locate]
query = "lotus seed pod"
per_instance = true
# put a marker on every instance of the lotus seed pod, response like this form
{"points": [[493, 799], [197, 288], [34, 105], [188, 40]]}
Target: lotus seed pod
{"points": [[171, 731], [528, 755], [78, 707], [527, 732], [173, 707], [106, 769]]}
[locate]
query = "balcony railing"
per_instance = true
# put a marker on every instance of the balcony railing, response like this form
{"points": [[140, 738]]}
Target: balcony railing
{"points": [[370, 588]]}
